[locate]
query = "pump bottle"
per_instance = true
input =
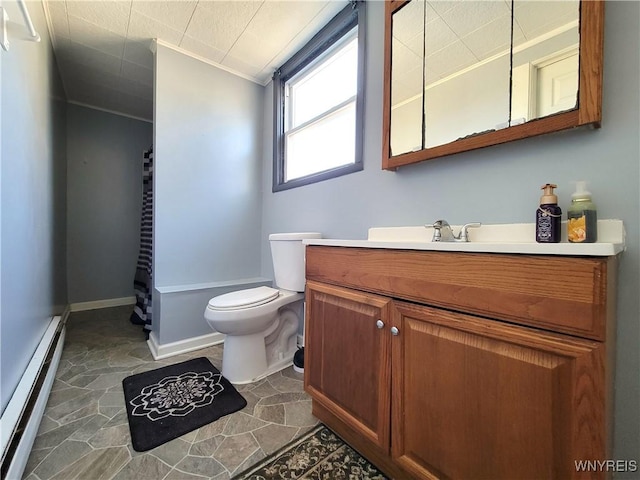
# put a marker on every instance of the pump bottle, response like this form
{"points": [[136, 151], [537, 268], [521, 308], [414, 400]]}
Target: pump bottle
{"points": [[582, 219], [548, 216]]}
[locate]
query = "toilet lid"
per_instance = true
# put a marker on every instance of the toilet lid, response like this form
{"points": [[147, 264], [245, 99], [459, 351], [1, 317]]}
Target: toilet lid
{"points": [[251, 297]]}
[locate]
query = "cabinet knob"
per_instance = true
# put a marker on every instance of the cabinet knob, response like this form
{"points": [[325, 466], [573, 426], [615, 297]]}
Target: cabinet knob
{"points": [[394, 331], [380, 324]]}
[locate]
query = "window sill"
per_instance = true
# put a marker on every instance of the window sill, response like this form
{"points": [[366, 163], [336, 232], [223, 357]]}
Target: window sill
{"points": [[318, 177]]}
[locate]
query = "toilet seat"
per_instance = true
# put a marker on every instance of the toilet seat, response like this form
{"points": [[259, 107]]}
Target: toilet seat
{"points": [[241, 299]]}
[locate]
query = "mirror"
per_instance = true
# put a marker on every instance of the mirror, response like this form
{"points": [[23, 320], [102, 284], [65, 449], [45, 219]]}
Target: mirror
{"points": [[407, 92], [466, 69], [545, 59], [467, 74]]}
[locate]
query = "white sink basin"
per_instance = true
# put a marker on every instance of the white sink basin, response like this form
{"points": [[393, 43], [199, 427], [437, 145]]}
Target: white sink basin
{"points": [[508, 233], [609, 231], [505, 238]]}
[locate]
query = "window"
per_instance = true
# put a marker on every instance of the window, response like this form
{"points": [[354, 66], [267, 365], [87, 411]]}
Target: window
{"points": [[318, 104]]}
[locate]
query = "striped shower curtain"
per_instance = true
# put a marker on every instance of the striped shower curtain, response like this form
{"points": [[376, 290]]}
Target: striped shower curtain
{"points": [[142, 283]]}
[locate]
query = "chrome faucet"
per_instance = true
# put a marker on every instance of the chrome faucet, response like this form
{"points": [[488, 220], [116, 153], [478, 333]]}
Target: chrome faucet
{"points": [[442, 231]]}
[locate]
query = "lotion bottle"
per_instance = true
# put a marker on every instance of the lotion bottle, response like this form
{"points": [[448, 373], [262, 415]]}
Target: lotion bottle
{"points": [[582, 219], [548, 216]]}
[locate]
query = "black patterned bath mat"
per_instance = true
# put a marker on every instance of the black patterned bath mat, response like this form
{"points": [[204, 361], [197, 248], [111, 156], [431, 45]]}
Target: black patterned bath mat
{"points": [[168, 402], [319, 455]]}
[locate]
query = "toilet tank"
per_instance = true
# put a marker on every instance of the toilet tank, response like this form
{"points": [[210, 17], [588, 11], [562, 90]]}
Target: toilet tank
{"points": [[287, 252]]}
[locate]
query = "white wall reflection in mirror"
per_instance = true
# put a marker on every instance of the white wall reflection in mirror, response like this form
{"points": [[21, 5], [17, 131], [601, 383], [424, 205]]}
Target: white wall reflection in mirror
{"points": [[477, 76], [466, 69]]}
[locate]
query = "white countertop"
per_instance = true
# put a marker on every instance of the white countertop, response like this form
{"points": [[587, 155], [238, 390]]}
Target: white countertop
{"points": [[506, 238]]}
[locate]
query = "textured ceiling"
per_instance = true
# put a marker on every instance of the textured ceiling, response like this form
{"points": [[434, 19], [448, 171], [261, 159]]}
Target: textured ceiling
{"points": [[105, 61], [103, 47]]}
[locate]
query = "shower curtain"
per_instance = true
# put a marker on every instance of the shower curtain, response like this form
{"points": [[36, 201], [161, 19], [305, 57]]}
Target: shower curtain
{"points": [[142, 283]]}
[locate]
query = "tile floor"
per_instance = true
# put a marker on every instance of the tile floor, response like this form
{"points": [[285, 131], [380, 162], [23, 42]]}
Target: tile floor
{"points": [[84, 433]]}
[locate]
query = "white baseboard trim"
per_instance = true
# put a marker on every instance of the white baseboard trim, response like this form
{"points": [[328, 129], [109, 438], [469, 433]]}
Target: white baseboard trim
{"points": [[21, 419], [109, 302], [167, 350]]}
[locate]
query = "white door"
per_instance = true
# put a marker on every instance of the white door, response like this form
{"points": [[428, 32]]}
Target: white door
{"points": [[557, 84]]}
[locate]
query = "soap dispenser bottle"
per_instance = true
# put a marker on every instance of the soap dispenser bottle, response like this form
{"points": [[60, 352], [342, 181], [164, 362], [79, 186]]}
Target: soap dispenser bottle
{"points": [[548, 216], [582, 219]]}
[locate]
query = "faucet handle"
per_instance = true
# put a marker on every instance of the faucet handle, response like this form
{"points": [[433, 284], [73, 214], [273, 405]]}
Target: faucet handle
{"points": [[437, 226], [464, 234], [440, 224]]}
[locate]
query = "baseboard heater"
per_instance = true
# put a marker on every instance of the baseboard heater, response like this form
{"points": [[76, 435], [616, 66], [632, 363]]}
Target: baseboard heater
{"points": [[21, 419]]}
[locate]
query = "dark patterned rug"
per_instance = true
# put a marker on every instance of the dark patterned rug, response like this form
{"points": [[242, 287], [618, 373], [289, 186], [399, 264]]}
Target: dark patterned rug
{"points": [[168, 402], [319, 455]]}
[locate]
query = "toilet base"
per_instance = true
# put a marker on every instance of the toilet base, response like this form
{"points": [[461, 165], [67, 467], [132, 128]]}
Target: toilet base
{"points": [[248, 357], [244, 359]]}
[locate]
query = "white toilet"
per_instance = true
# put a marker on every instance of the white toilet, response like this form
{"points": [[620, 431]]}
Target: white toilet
{"points": [[261, 324]]}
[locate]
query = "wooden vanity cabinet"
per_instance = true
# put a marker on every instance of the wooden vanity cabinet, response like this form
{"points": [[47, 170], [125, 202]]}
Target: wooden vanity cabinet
{"points": [[452, 393]]}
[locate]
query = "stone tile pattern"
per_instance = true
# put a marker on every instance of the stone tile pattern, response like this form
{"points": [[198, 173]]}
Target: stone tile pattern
{"points": [[84, 433]]}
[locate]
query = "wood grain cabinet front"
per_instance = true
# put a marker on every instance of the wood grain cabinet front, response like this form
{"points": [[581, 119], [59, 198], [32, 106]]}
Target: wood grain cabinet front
{"points": [[427, 392], [479, 399], [348, 358]]}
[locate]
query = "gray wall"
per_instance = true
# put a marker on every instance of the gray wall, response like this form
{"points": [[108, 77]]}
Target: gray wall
{"points": [[207, 213], [500, 184], [104, 200], [32, 189]]}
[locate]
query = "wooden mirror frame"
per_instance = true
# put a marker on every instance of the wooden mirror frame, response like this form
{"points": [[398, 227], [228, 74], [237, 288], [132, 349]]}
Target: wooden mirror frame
{"points": [[588, 112]]}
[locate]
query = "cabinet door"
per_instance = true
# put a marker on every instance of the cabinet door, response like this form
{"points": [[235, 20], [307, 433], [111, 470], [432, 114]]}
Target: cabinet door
{"points": [[347, 358], [477, 398]]}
